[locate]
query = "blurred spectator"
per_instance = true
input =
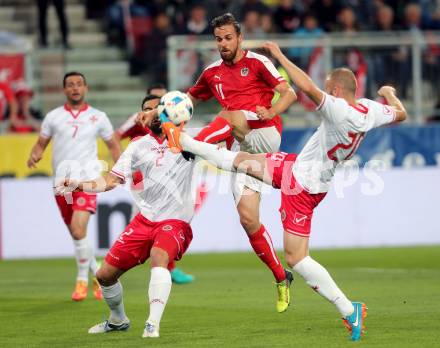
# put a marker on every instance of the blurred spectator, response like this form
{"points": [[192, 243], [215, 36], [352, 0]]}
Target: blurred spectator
{"points": [[155, 47], [327, 12], [267, 23], [117, 16], [309, 30], [251, 26], [27, 118], [8, 104], [346, 21], [197, 23], [413, 19], [249, 5], [431, 54], [42, 21], [286, 17], [389, 65]]}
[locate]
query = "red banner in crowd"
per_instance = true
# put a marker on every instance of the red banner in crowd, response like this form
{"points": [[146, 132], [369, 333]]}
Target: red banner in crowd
{"points": [[12, 67]]}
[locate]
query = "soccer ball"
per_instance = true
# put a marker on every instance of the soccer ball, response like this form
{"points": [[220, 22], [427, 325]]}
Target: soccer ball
{"points": [[176, 106]]}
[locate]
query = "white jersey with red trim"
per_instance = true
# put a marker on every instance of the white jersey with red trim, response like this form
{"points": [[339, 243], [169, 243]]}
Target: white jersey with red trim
{"points": [[342, 129], [74, 134], [169, 184]]}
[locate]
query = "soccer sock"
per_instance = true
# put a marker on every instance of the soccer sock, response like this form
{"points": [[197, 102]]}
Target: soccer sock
{"points": [[82, 258], [222, 158], [113, 297], [218, 130], [263, 247], [93, 263], [158, 292], [171, 265], [317, 277]]}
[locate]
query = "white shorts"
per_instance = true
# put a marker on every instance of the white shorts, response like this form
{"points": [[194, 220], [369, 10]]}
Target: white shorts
{"points": [[261, 140]]}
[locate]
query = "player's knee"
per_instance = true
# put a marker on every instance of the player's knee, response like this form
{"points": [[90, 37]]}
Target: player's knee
{"points": [[249, 221], [292, 258], [159, 258], [105, 277], [77, 231]]}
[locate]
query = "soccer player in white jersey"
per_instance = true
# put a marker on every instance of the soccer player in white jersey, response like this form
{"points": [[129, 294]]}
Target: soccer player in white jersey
{"points": [[161, 230], [131, 129], [74, 128], [304, 179]]}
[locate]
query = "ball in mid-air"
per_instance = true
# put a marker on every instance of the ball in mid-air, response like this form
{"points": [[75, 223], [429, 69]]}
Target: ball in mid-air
{"points": [[176, 106]]}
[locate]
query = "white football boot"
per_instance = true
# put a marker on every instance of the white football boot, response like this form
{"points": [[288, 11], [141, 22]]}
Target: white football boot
{"points": [[106, 326], [151, 330]]}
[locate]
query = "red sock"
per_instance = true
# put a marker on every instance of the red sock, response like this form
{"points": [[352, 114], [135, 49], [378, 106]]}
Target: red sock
{"points": [[215, 132], [263, 247], [171, 265]]}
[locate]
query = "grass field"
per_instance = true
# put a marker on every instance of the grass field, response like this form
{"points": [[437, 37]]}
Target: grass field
{"points": [[232, 304]]}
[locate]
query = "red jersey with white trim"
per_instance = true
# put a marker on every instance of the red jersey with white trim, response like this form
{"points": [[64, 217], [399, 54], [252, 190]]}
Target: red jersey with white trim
{"points": [[130, 129], [74, 134], [169, 185], [241, 86], [342, 129]]}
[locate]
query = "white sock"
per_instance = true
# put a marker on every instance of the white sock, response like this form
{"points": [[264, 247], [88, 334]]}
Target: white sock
{"points": [[222, 158], [82, 256], [113, 297], [317, 277], [158, 293], [93, 263]]}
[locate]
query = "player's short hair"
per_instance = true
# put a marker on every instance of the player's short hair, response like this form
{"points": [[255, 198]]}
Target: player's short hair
{"points": [[149, 97], [345, 78], [156, 86], [226, 19], [73, 73]]}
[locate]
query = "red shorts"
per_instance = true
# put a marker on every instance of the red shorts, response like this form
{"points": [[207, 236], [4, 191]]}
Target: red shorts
{"points": [[297, 204], [78, 201], [133, 246]]}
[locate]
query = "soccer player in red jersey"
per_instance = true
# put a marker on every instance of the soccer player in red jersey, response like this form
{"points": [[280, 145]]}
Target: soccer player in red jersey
{"points": [[243, 82], [304, 179]]}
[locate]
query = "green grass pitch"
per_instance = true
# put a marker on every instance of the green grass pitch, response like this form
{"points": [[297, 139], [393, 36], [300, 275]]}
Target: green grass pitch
{"points": [[232, 303]]}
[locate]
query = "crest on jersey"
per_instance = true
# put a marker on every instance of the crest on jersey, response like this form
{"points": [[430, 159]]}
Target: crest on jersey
{"points": [[244, 72], [167, 228], [93, 119]]}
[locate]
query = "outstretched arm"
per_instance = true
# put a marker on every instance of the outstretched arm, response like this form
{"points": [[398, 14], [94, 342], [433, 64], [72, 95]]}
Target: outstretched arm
{"points": [[389, 93], [299, 77], [101, 184]]}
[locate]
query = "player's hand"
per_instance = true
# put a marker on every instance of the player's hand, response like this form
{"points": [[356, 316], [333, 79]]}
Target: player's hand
{"points": [[386, 90], [34, 158], [273, 48], [143, 118], [66, 186], [263, 113]]}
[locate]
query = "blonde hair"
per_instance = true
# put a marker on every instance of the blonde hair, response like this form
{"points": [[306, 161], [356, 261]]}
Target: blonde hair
{"points": [[345, 78]]}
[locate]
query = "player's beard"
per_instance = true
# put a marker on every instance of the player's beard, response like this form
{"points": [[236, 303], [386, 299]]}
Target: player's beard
{"points": [[76, 101], [229, 56], [156, 127]]}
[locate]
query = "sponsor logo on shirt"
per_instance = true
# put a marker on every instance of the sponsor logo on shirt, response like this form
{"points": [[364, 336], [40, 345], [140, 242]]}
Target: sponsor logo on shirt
{"points": [[244, 72]]}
